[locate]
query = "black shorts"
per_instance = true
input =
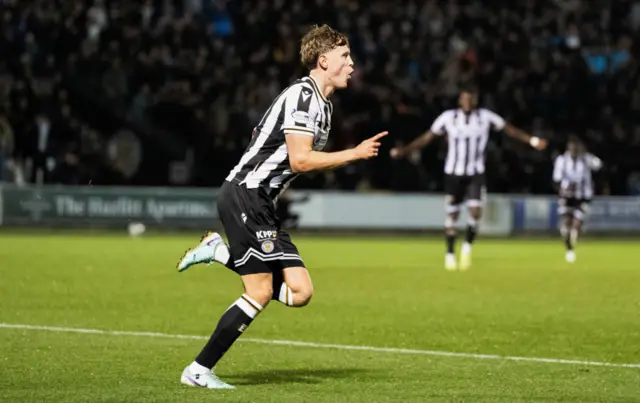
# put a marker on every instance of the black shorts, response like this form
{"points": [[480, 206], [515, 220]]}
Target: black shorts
{"points": [[256, 241], [460, 188], [578, 207]]}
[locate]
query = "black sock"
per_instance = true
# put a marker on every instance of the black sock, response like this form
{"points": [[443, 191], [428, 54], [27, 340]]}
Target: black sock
{"points": [[471, 234], [567, 241], [231, 325], [451, 239]]}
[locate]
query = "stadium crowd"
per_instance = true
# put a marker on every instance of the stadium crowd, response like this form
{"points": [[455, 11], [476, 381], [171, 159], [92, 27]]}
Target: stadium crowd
{"points": [[203, 71]]}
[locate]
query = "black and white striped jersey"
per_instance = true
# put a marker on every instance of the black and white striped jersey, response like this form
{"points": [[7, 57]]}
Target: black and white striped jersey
{"points": [[468, 134], [574, 174], [300, 109]]}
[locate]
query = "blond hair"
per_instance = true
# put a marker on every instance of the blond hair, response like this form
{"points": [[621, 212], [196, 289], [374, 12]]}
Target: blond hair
{"points": [[318, 41]]}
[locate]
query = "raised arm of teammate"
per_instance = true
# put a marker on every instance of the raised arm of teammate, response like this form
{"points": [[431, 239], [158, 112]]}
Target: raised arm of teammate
{"points": [[521, 135], [302, 158], [416, 144]]}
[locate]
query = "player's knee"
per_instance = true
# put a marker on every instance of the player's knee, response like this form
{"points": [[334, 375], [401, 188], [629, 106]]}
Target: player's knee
{"points": [[450, 222], [452, 231], [261, 293], [453, 211], [303, 295], [300, 294], [475, 214], [577, 224]]}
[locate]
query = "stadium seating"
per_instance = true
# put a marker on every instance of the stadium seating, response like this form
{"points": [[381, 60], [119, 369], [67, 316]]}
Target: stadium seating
{"points": [[187, 80]]}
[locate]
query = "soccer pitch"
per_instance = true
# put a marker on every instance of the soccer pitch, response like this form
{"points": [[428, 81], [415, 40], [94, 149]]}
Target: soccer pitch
{"points": [[384, 325]]}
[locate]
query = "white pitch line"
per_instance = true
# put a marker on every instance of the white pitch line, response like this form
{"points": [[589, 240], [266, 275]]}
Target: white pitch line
{"points": [[323, 345]]}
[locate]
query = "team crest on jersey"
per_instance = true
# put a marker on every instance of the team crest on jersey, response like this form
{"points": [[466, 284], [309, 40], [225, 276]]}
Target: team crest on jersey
{"points": [[267, 246]]}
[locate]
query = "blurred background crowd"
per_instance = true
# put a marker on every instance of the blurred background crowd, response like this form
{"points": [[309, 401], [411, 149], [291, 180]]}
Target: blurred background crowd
{"points": [[166, 92]]}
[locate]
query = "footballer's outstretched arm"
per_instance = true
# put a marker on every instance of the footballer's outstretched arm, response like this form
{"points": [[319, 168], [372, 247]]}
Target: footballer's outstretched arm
{"points": [[437, 129], [302, 158], [416, 144], [521, 135]]}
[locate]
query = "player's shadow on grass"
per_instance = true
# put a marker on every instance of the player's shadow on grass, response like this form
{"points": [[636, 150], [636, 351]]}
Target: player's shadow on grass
{"points": [[308, 376]]}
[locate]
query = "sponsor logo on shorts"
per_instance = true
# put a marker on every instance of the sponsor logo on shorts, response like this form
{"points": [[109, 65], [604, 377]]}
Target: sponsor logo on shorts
{"points": [[266, 234], [267, 246]]}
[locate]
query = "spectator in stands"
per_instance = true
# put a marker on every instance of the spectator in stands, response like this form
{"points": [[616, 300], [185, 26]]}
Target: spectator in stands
{"points": [[201, 71], [7, 142]]}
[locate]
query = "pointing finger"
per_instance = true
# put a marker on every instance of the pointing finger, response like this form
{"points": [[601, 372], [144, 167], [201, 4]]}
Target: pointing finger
{"points": [[379, 135]]}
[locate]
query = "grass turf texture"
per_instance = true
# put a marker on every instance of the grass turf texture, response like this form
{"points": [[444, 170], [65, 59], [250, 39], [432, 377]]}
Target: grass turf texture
{"points": [[519, 299]]}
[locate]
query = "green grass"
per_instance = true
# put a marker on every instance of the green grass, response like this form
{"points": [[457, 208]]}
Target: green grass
{"points": [[519, 299]]}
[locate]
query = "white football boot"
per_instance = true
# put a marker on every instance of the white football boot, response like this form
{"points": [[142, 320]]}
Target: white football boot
{"points": [[203, 380], [465, 257], [211, 249], [450, 262]]}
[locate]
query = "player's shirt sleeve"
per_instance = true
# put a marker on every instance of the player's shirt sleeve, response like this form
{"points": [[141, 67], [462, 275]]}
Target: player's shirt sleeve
{"points": [[438, 126], [594, 163], [299, 113], [497, 122], [558, 166]]}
